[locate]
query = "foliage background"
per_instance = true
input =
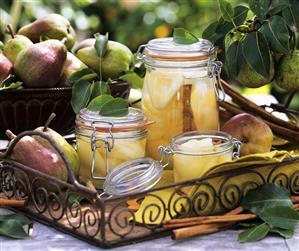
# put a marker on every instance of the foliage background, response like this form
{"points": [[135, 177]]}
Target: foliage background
{"points": [[131, 22]]}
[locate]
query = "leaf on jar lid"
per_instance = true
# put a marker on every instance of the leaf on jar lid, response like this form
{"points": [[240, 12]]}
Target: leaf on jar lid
{"points": [[117, 107], [97, 103], [182, 36]]}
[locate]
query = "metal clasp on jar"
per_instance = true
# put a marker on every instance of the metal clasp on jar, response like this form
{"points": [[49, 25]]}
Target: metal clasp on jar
{"points": [[237, 147], [108, 143]]}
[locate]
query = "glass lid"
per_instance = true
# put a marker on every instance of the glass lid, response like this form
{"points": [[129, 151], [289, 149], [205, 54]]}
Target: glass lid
{"points": [[166, 47], [135, 119]]}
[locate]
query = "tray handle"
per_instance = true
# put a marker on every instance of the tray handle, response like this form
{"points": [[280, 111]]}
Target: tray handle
{"points": [[71, 176]]}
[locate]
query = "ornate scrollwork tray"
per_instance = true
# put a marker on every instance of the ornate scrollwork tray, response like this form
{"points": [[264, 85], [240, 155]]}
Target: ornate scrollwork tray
{"points": [[108, 221]]}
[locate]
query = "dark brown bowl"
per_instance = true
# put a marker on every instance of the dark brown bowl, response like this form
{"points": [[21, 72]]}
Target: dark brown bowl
{"points": [[26, 109]]}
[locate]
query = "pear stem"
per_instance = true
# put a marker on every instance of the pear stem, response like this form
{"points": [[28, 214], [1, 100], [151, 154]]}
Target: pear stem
{"points": [[48, 122], [10, 134], [11, 31], [64, 40]]}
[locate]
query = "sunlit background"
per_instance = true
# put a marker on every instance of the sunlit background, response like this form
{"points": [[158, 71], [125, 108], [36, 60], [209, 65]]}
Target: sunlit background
{"points": [[131, 22]]}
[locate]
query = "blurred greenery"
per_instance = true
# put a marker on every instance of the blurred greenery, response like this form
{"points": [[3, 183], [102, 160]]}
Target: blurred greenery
{"points": [[131, 22]]}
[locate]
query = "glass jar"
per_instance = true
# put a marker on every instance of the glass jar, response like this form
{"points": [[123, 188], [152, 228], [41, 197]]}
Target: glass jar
{"points": [[103, 143], [180, 89], [196, 152]]}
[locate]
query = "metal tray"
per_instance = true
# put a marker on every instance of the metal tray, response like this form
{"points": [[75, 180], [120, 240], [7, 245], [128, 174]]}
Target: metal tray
{"points": [[108, 222]]}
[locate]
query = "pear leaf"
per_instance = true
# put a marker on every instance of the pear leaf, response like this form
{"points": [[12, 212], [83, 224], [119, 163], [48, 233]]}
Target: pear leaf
{"points": [[97, 103], [100, 88], [101, 44], [286, 233], [182, 36], [133, 79], [117, 107], [12, 226], [85, 73], [290, 15], [81, 93], [227, 10], [284, 217], [266, 196], [255, 233], [16, 85]]}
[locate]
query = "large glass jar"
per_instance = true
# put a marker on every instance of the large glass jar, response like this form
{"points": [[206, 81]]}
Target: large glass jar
{"points": [[103, 143], [180, 89]]}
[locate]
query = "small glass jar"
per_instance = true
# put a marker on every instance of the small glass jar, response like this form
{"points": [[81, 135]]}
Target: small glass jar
{"points": [[103, 143], [180, 89], [196, 152]]}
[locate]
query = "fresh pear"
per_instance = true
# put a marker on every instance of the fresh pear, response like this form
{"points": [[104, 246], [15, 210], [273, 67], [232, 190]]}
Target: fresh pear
{"points": [[71, 65], [28, 151], [5, 67], [68, 150], [15, 45], [41, 65], [50, 26], [116, 59]]}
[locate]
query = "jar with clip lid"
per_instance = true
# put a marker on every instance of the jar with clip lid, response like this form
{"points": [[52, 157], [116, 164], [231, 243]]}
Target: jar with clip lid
{"points": [[181, 88], [103, 143]]}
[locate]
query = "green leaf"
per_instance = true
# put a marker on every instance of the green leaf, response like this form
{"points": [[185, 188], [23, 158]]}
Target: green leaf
{"points": [[254, 234], [97, 103], [115, 108], [210, 32], [256, 52], [260, 7], [1, 45], [16, 85], [133, 79], [85, 73], [277, 6], [81, 94], [232, 61], [20, 218], [268, 195], [101, 44], [286, 233], [277, 34], [182, 36], [100, 88], [290, 14], [240, 14], [13, 229], [72, 198], [226, 10], [280, 216], [12, 226]]}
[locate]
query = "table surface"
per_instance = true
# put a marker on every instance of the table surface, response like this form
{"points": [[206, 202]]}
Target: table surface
{"points": [[45, 238]]}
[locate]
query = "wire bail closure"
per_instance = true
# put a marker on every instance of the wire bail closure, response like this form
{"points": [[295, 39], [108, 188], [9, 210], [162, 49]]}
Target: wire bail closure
{"points": [[237, 147], [108, 145]]}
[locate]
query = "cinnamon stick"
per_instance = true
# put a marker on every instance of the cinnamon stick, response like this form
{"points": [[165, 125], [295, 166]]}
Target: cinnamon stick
{"points": [[176, 223], [250, 106], [188, 121], [12, 203]]}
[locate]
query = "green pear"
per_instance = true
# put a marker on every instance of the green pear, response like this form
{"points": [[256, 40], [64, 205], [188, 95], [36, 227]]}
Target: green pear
{"points": [[30, 152], [5, 67], [68, 150], [41, 64], [51, 26], [15, 45], [287, 73], [115, 61], [250, 78], [71, 65]]}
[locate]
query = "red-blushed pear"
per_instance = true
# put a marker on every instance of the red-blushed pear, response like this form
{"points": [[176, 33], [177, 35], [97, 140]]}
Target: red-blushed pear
{"points": [[5, 67], [28, 151], [256, 136]]}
